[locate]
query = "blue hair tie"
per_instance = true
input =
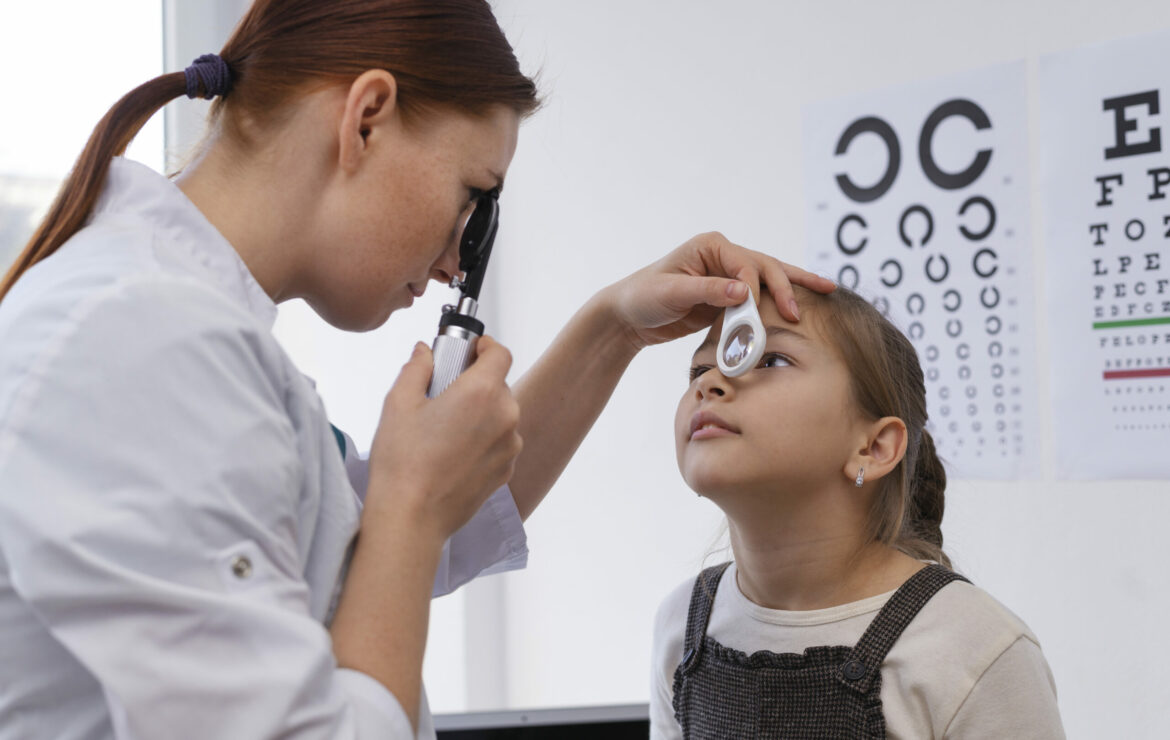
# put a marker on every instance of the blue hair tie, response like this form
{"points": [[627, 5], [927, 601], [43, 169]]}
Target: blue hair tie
{"points": [[212, 71]]}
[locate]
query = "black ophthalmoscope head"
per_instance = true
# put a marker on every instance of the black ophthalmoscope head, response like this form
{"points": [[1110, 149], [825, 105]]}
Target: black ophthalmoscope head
{"points": [[475, 246]]}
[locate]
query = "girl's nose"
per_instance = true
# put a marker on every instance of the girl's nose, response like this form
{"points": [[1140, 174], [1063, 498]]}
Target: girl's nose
{"points": [[712, 384]]}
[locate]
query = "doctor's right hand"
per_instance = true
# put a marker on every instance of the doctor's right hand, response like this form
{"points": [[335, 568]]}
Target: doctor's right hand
{"points": [[435, 461]]}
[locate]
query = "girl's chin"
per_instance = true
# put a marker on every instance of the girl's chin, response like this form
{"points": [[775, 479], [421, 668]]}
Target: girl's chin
{"points": [[713, 485], [726, 482]]}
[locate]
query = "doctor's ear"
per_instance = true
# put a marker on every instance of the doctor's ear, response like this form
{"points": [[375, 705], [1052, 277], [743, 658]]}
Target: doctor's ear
{"points": [[882, 448], [370, 105]]}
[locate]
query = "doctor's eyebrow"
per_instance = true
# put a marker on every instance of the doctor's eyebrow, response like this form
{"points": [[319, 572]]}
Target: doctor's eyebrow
{"points": [[772, 332]]}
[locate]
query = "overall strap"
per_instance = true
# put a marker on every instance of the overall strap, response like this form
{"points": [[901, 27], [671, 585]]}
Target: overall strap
{"points": [[864, 664], [699, 613]]}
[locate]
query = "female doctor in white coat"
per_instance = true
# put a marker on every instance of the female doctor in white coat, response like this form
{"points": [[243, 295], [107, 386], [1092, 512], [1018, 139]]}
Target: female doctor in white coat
{"points": [[178, 549]]}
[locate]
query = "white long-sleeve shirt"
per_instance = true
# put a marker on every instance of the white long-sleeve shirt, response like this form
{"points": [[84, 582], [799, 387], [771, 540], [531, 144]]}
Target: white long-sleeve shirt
{"points": [[175, 513]]}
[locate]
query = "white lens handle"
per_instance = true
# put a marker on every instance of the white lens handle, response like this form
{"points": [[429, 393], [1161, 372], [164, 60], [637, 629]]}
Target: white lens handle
{"points": [[744, 315]]}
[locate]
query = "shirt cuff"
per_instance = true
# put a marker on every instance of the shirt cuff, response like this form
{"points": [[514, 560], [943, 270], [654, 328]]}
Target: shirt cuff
{"points": [[493, 541], [377, 712]]}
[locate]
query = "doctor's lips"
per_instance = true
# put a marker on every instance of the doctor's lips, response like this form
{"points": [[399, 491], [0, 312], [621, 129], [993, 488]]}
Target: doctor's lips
{"points": [[705, 425]]}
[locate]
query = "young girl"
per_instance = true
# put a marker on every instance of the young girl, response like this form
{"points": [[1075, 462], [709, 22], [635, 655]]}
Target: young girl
{"points": [[840, 616]]}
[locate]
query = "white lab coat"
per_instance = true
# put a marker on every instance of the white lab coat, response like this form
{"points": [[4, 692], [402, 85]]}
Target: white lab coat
{"points": [[175, 516]]}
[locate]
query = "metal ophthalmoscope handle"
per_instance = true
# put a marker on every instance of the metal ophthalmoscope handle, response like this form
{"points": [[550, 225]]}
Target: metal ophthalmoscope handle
{"points": [[454, 347], [459, 330]]}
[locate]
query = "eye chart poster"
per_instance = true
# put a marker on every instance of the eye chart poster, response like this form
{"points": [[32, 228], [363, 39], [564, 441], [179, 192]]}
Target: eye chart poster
{"points": [[1105, 171], [917, 198]]}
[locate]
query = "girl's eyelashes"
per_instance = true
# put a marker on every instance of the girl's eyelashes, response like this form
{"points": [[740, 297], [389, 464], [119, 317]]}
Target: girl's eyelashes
{"points": [[770, 359], [774, 359]]}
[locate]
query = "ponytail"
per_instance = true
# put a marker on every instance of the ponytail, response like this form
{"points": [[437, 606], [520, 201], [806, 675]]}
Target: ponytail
{"points": [[443, 52], [922, 531], [907, 508], [81, 188]]}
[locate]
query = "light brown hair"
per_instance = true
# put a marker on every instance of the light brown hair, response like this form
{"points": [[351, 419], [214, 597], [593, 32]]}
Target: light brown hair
{"points": [[443, 54], [887, 380]]}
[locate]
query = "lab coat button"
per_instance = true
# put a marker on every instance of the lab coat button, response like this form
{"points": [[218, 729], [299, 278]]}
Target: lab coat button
{"points": [[241, 567]]}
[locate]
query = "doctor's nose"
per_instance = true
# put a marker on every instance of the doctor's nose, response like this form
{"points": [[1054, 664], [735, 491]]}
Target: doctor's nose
{"points": [[447, 266]]}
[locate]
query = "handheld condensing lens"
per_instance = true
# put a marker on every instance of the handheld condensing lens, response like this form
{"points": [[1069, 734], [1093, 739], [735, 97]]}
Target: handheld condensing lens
{"points": [[454, 346], [741, 343]]}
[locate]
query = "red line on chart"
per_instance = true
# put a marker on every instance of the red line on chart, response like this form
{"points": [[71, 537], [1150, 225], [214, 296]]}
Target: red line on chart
{"points": [[1153, 372]]}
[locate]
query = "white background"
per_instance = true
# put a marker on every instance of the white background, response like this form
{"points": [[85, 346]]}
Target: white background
{"points": [[65, 63], [665, 119]]}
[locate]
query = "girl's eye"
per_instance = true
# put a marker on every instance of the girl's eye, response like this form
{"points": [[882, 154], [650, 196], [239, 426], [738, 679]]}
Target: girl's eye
{"points": [[773, 359], [474, 194], [698, 370]]}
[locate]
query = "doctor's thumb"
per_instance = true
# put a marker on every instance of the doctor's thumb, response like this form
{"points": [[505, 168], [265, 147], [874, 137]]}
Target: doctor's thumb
{"points": [[416, 373]]}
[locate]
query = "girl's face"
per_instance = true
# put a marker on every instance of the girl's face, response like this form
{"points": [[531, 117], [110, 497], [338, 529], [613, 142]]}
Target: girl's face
{"points": [[397, 225], [787, 425]]}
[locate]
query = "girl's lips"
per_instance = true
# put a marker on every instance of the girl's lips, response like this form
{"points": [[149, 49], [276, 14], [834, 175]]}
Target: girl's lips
{"points": [[705, 425], [416, 291], [710, 432]]}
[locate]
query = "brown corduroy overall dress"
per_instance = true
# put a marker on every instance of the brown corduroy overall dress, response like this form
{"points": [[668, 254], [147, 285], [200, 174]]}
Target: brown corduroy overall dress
{"points": [[830, 692]]}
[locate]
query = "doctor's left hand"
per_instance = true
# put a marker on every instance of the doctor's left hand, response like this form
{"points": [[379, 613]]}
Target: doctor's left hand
{"points": [[684, 291]]}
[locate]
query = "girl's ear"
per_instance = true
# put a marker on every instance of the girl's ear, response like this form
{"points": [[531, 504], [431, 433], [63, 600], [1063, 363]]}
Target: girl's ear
{"points": [[883, 448], [370, 107]]}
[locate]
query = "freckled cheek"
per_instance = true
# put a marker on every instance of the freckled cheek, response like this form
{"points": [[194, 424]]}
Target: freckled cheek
{"points": [[417, 249]]}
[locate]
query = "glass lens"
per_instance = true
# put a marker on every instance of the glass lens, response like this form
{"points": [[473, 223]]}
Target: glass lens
{"points": [[738, 346]]}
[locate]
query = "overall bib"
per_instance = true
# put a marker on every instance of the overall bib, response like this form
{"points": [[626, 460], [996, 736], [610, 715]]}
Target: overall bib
{"points": [[830, 692]]}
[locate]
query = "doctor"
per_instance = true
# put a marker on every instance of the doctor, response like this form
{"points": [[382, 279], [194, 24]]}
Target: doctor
{"points": [[179, 549]]}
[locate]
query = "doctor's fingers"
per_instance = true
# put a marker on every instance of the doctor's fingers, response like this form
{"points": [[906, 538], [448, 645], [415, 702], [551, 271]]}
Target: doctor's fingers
{"points": [[781, 276], [481, 395], [415, 375], [720, 256], [492, 358], [754, 267]]}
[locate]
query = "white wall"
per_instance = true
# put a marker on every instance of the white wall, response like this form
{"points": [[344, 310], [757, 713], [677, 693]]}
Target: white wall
{"points": [[39, 141], [669, 118]]}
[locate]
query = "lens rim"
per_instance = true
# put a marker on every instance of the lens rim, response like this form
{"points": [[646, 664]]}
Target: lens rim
{"points": [[479, 231], [744, 315]]}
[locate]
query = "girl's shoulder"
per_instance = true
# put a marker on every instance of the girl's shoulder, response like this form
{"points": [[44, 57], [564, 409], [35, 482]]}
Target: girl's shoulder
{"points": [[962, 608], [962, 632], [966, 658]]}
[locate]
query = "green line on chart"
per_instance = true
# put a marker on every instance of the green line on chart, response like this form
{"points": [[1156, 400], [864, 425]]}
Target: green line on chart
{"points": [[1130, 322]]}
